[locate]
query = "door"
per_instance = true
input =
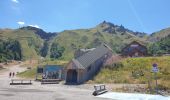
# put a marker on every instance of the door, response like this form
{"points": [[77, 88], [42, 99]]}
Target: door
{"points": [[71, 76]]}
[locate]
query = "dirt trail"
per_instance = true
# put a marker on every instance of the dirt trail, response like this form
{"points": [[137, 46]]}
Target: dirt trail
{"points": [[13, 68]]}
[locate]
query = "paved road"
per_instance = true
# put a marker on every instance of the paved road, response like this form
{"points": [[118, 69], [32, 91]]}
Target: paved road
{"points": [[133, 96], [41, 92]]}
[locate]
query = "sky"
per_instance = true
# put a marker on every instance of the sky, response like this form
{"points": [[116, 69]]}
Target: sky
{"points": [[58, 15]]}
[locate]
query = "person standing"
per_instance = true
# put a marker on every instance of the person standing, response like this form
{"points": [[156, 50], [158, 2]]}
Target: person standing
{"points": [[13, 74], [10, 75]]}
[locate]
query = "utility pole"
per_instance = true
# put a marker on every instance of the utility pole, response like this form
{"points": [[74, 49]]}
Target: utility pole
{"points": [[156, 83]]}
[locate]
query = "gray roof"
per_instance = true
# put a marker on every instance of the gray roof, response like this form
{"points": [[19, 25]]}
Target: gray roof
{"points": [[89, 58], [84, 50], [79, 66]]}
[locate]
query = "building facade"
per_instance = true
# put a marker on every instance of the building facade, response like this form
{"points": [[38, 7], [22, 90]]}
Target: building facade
{"points": [[134, 49], [86, 66]]}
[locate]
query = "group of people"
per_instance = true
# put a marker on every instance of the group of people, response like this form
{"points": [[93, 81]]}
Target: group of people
{"points": [[50, 75], [11, 74]]}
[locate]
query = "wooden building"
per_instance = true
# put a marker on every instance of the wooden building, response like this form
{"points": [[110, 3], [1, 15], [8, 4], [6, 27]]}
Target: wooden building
{"points": [[134, 49], [84, 67]]}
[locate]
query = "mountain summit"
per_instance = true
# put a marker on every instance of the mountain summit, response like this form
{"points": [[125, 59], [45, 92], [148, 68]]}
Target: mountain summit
{"points": [[44, 35], [116, 29]]}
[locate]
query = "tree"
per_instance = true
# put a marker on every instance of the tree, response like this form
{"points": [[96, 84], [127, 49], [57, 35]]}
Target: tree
{"points": [[10, 50], [56, 51], [44, 49]]}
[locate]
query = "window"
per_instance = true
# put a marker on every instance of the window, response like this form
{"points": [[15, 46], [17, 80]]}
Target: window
{"points": [[134, 45]]}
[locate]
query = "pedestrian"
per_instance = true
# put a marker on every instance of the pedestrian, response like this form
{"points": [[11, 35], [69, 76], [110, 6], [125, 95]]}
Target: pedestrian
{"points": [[13, 74], [10, 74]]}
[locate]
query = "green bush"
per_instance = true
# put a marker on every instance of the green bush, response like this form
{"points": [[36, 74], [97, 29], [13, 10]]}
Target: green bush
{"points": [[10, 50]]}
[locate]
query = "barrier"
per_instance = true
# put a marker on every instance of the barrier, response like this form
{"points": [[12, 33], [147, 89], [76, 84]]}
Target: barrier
{"points": [[99, 89], [20, 82], [50, 81]]}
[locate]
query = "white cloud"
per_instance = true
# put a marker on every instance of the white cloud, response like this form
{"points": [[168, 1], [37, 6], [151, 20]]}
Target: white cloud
{"points": [[15, 1], [21, 23], [36, 26]]}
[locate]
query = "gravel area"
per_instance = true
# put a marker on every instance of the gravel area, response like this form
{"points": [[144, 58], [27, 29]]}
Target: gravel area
{"points": [[36, 91]]}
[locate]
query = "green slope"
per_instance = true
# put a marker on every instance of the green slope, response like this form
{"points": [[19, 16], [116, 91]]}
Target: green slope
{"points": [[136, 70], [160, 47], [33, 40], [157, 36], [29, 41], [114, 36]]}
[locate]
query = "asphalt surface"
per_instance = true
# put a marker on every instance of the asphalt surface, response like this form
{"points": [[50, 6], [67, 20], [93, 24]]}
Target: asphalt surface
{"points": [[36, 91]]}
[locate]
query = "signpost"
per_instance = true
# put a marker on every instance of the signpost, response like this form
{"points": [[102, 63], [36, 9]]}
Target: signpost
{"points": [[155, 70]]}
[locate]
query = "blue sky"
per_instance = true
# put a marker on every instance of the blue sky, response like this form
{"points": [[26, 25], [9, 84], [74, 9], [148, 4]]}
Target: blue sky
{"points": [[58, 15]]}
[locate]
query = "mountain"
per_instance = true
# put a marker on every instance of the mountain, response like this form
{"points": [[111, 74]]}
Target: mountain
{"points": [[35, 42], [157, 36], [32, 40], [159, 42], [111, 28], [113, 35], [44, 35]]}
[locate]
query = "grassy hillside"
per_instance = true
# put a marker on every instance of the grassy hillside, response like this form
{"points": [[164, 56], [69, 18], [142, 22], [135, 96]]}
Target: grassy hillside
{"points": [[115, 36], [157, 36], [30, 42], [136, 70], [10, 49], [160, 47], [36, 42]]}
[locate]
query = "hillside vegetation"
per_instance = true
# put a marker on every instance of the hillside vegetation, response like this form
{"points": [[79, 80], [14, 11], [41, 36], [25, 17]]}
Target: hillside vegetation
{"points": [[136, 70], [157, 36], [160, 47], [10, 50], [30, 43], [113, 35], [36, 43]]}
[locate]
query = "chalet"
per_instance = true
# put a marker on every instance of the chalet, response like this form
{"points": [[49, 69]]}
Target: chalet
{"points": [[85, 66], [134, 49]]}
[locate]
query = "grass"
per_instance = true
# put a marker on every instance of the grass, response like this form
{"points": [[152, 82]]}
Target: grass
{"points": [[54, 62], [72, 40], [29, 74], [28, 39], [136, 70]]}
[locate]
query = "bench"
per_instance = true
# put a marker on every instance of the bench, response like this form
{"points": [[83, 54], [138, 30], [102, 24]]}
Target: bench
{"points": [[20, 82], [50, 81], [99, 89]]}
